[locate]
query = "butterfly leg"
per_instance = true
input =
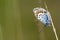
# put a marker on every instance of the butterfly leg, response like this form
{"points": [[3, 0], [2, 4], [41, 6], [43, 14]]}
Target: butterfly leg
{"points": [[38, 25]]}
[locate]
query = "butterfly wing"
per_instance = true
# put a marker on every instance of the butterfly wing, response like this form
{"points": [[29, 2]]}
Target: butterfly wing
{"points": [[43, 17]]}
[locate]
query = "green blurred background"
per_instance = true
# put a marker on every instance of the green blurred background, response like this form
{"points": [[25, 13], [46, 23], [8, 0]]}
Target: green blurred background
{"points": [[17, 20]]}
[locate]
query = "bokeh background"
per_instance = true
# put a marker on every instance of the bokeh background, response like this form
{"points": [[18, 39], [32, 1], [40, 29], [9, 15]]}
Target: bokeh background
{"points": [[17, 20]]}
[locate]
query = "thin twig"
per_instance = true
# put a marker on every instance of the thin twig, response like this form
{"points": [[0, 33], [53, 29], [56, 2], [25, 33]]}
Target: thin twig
{"points": [[52, 24], [54, 30]]}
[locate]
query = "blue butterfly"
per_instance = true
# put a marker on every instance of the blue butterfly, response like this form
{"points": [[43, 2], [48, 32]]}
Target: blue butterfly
{"points": [[42, 15]]}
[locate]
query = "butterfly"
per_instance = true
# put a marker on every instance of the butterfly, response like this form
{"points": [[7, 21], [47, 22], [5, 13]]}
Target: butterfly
{"points": [[42, 15]]}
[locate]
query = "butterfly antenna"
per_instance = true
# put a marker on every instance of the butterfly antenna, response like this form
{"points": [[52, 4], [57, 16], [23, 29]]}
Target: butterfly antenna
{"points": [[40, 3]]}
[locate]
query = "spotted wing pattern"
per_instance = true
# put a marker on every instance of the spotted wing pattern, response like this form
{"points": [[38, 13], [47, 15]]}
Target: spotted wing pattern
{"points": [[43, 16]]}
